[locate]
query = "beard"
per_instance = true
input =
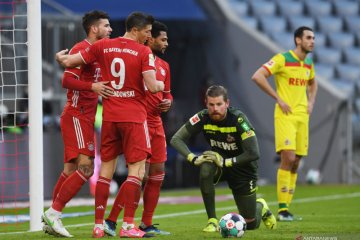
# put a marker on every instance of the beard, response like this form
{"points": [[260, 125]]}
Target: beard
{"points": [[306, 50], [158, 53], [216, 117]]}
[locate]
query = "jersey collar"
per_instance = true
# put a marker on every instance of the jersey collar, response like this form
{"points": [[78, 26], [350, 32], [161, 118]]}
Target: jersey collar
{"points": [[294, 55]]}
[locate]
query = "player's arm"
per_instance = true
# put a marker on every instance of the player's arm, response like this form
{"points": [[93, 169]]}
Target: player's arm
{"points": [[167, 100], [69, 61], [151, 83], [260, 77], [178, 141], [312, 90], [251, 152], [148, 72], [248, 143], [71, 81]]}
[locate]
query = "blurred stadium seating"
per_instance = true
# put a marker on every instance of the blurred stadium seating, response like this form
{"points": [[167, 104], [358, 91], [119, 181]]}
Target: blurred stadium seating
{"points": [[336, 24], [337, 42]]}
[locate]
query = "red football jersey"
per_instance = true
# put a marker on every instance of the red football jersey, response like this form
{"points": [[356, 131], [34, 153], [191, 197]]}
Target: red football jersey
{"points": [[82, 104], [153, 99], [122, 62]]}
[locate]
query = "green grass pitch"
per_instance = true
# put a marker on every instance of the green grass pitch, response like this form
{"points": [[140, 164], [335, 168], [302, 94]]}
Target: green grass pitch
{"points": [[328, 212]]}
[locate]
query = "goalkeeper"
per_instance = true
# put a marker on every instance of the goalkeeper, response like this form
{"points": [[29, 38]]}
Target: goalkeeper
{"points": [[233, 157]]}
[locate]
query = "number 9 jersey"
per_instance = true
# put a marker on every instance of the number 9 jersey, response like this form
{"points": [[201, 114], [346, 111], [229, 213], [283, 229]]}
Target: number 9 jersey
{"points": [[122, 62]]}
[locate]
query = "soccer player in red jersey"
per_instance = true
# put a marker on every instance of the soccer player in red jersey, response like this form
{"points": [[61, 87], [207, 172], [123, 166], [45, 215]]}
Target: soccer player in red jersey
{"points": [[155, 166], [77, 123], [127, 63]]}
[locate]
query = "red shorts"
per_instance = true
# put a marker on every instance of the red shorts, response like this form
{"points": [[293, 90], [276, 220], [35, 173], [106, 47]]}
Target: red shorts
{"points": [[78, 137], [131, 139], [158, 145]]}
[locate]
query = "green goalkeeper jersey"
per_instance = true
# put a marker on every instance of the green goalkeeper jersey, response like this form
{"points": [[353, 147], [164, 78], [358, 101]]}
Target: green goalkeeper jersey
{"points": [[233, 137]]}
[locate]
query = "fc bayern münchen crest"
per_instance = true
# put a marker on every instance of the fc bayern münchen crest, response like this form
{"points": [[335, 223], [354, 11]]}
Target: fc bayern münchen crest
{"points": [[90, 146]]}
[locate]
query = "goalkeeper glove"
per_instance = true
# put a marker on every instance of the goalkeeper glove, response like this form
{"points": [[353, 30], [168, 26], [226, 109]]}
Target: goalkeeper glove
{"points": [[218, 159], [197, 160]]}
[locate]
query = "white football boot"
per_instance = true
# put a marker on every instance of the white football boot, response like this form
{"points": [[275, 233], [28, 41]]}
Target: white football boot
{"points": [[53, 220]]}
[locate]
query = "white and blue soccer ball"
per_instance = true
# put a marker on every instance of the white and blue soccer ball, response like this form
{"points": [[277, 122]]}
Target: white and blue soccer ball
{"points": [[313, 176], [232, 225]]}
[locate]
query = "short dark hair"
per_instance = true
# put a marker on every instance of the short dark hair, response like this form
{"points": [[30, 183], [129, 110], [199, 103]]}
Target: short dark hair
{"points": [[90, 18], [217, 91], [158, 27], [139, 20], [299, 32]]}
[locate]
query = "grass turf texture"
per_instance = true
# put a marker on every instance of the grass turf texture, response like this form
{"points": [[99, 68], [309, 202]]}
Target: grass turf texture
{"points": [[336, 217]]}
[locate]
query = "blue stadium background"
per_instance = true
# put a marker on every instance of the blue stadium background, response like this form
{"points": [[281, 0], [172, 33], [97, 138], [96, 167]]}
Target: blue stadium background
{"points": [[224, 42]]}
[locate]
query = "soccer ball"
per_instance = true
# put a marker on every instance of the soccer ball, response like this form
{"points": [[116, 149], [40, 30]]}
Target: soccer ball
{"points": [[313, 177], [232, 225]]}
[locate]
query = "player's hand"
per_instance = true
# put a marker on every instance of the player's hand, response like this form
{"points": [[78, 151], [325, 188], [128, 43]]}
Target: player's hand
{"points": [[197, 160], [214, 157], [218, 159], [165, 105], [102, 90], [285, 108], [60, 56]]}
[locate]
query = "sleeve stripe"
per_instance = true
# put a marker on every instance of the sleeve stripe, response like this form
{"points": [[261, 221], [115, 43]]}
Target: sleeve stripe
{"points": [[72, 74], [82, 58], [267, 69], [148, 70]]}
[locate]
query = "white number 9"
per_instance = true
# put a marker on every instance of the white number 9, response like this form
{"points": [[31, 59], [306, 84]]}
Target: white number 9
{"points": [[120, 74]]}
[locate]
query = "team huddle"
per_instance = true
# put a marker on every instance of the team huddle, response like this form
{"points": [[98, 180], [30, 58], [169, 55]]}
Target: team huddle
{"points": [[134, 83]]}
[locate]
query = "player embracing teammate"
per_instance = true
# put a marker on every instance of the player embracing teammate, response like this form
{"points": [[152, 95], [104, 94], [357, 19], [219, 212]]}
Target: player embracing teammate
{"points": [[84, 84], [127, 63], [155, 165]]}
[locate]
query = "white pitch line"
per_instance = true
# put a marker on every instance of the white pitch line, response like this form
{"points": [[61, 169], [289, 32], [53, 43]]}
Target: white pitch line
{"points": [[301, 200]]}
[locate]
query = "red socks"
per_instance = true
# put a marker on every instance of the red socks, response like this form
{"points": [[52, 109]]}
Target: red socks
{"points": [[58, 185], [151, 197], [101, 197], [68, 189], [130, 192], [118, 205]]}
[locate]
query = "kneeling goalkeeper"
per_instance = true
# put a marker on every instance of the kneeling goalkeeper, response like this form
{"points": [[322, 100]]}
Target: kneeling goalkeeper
{"points": [[233, 157]]}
